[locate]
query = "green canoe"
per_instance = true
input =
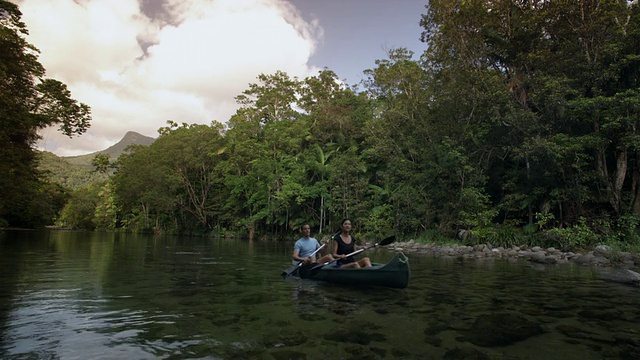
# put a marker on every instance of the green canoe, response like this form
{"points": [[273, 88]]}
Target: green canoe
{"points": [[395, 274]]}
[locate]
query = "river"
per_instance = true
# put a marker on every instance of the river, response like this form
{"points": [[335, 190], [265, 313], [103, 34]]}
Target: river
{"points": [[92, 295]]}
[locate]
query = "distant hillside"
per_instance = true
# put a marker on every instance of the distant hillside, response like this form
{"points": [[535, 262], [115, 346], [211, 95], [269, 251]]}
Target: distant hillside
{"points": [[114, 151], [72, 176], [76, 172]]}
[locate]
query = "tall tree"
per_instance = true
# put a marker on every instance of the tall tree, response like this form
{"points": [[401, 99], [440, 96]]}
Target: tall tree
{"points": [[264, 138], [175, 184], [191, 153], [336, 116], [145, 190], [29, 102]]}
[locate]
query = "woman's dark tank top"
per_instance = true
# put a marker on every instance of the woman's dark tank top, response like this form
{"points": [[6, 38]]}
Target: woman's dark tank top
{"points": [[344, 249]]}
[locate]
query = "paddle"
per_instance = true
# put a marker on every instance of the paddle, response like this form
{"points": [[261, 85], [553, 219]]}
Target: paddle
{"points": [[294, 268], [306, 273]]}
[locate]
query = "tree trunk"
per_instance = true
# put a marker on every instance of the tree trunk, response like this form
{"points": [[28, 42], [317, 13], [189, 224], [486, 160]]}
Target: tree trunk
{"points": [[635, 189], [618, 181], [614, 184], [321, 213]]}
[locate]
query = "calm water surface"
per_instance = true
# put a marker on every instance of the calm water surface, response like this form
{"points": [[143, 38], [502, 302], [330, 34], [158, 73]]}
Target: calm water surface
{"points": [[75, 295]]}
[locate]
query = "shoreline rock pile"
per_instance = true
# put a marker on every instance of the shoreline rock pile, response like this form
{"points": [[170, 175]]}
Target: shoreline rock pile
{"points": [[620, 263], [602, 255]]}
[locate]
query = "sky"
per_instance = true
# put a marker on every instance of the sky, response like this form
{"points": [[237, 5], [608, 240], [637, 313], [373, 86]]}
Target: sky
{"points": [[139, 63]]}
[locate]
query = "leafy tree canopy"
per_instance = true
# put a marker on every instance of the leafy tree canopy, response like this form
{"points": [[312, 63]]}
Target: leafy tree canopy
{"points": [[29, 102]]}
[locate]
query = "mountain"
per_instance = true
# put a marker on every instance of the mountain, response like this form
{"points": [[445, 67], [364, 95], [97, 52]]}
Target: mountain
{"points": [[114, 151], [76, 172]]}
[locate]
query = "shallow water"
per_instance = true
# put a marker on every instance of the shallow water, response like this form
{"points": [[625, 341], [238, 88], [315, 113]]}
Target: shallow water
{"points": [[75, 295]]}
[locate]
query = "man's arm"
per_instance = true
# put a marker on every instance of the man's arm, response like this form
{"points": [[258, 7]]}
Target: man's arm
{"points": [[296, 256]]}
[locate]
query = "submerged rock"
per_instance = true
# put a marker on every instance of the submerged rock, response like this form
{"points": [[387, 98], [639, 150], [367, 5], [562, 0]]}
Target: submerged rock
{"points": [[288, 355], [284, 339], [465, 354], [623, 276], [354, 337], [504, 329]]}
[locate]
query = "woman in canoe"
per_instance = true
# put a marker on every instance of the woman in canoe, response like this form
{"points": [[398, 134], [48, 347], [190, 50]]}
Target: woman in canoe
{"points": [[343, 244]]}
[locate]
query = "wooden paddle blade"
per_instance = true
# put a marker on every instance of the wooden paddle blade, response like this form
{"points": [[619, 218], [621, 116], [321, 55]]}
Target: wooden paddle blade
{"points": [[290, 270], [387, 241], [309, 270]]}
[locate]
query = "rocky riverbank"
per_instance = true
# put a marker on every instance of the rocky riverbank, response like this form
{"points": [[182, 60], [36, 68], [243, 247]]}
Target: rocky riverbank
{"points": [[621, 263]]}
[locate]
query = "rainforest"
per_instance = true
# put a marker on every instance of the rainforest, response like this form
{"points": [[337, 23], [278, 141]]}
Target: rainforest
{"points": [[519, 123]]}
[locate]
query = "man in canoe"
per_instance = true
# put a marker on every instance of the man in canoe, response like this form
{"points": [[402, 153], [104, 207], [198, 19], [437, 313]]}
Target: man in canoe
{"points": [[306, 247]]}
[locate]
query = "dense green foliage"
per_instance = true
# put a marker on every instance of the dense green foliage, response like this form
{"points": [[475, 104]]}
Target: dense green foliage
{"points": [[519, 120], [28, 103], [77, 172], [58, 170], [543, 99]]}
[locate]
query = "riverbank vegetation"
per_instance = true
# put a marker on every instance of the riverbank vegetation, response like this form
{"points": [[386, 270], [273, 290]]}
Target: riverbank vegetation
{"points": [[29, 102], [519, 123]]}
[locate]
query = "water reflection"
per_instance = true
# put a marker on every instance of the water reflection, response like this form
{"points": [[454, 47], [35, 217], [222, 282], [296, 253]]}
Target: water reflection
{"points": [[91, 295]]}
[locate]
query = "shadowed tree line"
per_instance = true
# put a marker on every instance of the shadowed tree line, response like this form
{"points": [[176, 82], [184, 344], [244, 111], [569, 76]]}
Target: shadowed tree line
{"points": [[29, 102], [519, 117]]}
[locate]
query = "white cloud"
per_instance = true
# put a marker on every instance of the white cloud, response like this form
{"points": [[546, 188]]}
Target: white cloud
{"points": [[203, 53]]}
